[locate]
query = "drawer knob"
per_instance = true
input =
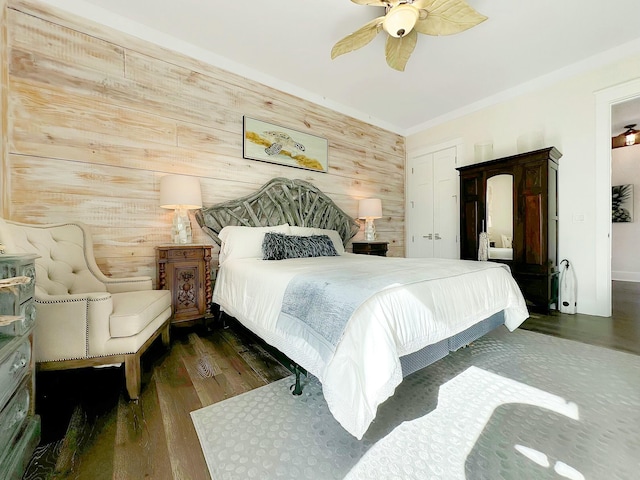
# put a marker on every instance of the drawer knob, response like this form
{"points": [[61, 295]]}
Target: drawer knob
{"points": [[19, 362]]}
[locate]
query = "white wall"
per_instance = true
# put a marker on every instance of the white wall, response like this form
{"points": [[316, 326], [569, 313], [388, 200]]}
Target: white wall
{"points": [[625, 261], [564, 116]]}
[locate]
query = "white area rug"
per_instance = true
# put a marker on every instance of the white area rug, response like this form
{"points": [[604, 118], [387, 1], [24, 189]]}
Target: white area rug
{"points": [[512, 406]]}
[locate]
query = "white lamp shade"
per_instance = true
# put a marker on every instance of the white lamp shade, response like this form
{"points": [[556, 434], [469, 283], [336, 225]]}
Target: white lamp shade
{"points": [[180, 191], [370, 208]]}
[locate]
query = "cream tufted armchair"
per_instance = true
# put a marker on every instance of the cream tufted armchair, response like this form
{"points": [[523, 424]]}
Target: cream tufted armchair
{"points": [[84, 318]]}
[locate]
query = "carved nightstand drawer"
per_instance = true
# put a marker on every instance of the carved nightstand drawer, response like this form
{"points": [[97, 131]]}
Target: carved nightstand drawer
{"points": [[184, 253]]}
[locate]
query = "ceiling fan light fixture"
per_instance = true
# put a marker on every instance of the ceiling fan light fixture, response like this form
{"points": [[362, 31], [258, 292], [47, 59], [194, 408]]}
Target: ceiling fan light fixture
{"points": [[630, 139], [400, 20], [630, 135]]}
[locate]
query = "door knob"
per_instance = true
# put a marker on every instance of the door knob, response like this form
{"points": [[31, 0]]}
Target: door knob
{"points": [[428, 237], [438, 237]]}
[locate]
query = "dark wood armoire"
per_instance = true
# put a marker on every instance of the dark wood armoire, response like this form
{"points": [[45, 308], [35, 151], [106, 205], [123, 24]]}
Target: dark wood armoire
{"points": [[534, 261]]}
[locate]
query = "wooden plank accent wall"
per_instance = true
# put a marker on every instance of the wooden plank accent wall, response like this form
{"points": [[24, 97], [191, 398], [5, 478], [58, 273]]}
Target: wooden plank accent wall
{"points": [[92, 119], [4, 80]]}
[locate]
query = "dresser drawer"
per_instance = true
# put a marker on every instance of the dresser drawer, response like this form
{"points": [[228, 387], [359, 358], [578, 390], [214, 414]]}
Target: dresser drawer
{"points": [[10, 299], [15, 363], [15, 463], [21, 326], [13, 418]]}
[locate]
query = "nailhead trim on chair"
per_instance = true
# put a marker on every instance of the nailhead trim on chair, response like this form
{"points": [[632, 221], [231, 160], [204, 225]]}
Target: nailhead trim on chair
{"points": [[86, 330], [87, 357], [86, 323]]}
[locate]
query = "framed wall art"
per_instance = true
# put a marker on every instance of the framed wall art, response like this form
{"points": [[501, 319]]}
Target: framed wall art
{"points": [[272, 143], [622, 203]]}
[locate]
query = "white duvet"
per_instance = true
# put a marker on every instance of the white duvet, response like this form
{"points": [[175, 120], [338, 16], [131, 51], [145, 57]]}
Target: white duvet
{"points": [[365, 368]]}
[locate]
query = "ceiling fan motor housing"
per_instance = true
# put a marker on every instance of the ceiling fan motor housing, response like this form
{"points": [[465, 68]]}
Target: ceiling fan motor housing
{"points": [[400, 20]]}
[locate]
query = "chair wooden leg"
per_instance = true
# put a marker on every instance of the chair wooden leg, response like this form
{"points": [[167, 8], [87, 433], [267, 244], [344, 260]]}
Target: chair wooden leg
{"points": [[166, 337], [133, 375]]}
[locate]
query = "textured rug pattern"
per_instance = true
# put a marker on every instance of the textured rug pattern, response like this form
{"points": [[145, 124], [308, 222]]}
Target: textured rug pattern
{"points": [[512, 406]]}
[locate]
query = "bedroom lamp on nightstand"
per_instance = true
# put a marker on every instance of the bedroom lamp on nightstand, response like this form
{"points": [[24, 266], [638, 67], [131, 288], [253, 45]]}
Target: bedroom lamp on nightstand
{"points": [[181, 193], [369, 209]]}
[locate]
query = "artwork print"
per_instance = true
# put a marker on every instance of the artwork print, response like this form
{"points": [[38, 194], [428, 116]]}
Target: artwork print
{"points": [[275, 144], [622, 203]]}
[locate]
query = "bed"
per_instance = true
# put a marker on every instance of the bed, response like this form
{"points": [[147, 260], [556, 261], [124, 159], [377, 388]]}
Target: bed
{"points": [[358, 323]]}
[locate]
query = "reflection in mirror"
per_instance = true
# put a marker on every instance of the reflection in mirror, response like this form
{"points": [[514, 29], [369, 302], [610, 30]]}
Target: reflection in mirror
{"points": [[500, 216]]}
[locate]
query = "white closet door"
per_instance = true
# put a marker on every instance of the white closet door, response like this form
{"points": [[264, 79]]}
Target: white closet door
{"points": [[446, 208], [432, 205], [420, 207]]}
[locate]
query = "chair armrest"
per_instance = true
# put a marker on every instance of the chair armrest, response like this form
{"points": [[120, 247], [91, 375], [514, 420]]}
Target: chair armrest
{"points": [[130, 284], [66, 324]]}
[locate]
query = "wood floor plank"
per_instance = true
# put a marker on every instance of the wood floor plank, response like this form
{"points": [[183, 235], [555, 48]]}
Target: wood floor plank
{"points": [[141, 448], [208, 387], [94, 455], [256, 356], [235, 370], [177, 398]]}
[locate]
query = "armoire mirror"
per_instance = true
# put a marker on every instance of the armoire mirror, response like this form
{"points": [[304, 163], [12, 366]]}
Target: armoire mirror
{"points": [[499, 219]]}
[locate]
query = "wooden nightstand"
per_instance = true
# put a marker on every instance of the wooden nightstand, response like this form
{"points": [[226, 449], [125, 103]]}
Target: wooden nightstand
{"points": [[186, 271], [371, 248]]}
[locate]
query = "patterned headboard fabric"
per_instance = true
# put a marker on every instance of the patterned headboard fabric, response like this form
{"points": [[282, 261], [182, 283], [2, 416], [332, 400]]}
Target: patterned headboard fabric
{"points": [[281, 200]]}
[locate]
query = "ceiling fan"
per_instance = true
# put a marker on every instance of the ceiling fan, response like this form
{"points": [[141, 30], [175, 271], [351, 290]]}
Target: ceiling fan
{"points": [[403, 20], [626, 138]]}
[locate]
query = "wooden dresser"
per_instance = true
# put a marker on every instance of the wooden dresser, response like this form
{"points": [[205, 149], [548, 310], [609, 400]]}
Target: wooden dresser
{"points": [[20, 426], [186, 271]]}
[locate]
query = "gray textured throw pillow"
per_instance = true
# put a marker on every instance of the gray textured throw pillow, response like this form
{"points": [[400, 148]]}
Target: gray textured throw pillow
{"points": [[278, 246]]}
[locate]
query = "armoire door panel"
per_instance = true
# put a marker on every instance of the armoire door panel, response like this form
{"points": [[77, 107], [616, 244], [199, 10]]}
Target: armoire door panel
{"points": [[471, 187], [533, 177], [533, 229], [470, 246]]}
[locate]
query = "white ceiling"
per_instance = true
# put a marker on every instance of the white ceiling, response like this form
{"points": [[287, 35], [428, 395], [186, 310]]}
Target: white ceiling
{"points": [[286, 44]]}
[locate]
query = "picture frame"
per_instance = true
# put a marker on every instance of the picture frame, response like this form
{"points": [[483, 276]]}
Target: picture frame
{"points": [[622, 203], [268, 142]]}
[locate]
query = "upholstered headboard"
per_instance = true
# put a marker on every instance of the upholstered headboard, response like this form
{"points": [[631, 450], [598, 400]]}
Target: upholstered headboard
{"points": [[279, 201]]}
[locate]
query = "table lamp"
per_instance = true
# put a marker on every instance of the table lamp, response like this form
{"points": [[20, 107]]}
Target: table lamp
{"points": [[181, 193], [370, 208]]}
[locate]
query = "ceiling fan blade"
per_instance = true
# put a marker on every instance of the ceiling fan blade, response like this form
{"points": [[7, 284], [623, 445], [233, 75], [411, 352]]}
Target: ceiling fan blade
{"points": [[446, 17], [398, 50], [357, 39], [377, 3], [420, 4]]}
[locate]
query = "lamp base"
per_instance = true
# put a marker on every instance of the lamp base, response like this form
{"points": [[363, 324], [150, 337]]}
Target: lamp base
{"points": [[181, 228], [369, 230]]}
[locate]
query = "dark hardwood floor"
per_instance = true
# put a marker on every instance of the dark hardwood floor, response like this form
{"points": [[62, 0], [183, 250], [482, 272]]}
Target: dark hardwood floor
{"points": [[90, 431], [621, 331]]}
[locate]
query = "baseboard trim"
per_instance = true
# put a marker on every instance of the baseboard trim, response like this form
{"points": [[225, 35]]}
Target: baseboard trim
{"points": [[626, 276]]}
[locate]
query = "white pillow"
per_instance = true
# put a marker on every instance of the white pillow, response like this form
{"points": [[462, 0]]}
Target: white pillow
{"points": [[506, 241], [333, 235], [245, 242]]}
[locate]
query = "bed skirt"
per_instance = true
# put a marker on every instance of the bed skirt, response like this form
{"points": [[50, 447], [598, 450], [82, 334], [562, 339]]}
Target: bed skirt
{"points": [[432, 353]]}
